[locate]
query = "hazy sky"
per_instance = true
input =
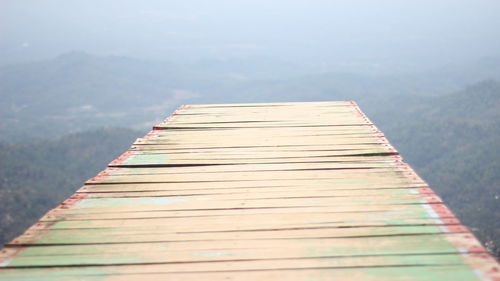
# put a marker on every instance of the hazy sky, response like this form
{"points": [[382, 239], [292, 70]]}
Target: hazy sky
{"points": [[343, 32]]}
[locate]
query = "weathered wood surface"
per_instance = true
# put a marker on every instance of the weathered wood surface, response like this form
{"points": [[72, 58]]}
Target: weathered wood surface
{"points": [[281, 191]]}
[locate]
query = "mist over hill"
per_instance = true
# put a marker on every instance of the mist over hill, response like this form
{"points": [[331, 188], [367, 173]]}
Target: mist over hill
{"points": [[78, 91], [361, 36], [445, 122]]}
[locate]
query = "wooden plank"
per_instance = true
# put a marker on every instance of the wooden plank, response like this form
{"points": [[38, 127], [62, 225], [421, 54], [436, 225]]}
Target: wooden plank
{"points": [[225, 223], [268, 154], [103, 236], [346, 211], [253, 149], [205, 202], [378, 175], [372, 161], [389, 273], [256, 139], [334, 247], [354, 171], [342, 184], [214, 263], [287, 219], [175, 253], [270, 192], [164, 160]]}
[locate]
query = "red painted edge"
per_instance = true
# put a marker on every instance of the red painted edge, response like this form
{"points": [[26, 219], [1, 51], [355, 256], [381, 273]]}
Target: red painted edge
{"points": [[121, 158], [450, 223], [174, 115], [152, 133], [361, 114]]}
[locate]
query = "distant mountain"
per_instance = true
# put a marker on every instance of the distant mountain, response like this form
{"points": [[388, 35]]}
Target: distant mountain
{"points": [[77, 91]]}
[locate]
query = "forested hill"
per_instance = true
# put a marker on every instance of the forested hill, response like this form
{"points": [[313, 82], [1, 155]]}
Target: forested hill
{"points": [[38, 175], [453, 142]]}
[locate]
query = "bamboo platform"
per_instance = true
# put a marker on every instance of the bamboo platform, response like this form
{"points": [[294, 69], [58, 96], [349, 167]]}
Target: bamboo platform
{"points": [[277, 191]]}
